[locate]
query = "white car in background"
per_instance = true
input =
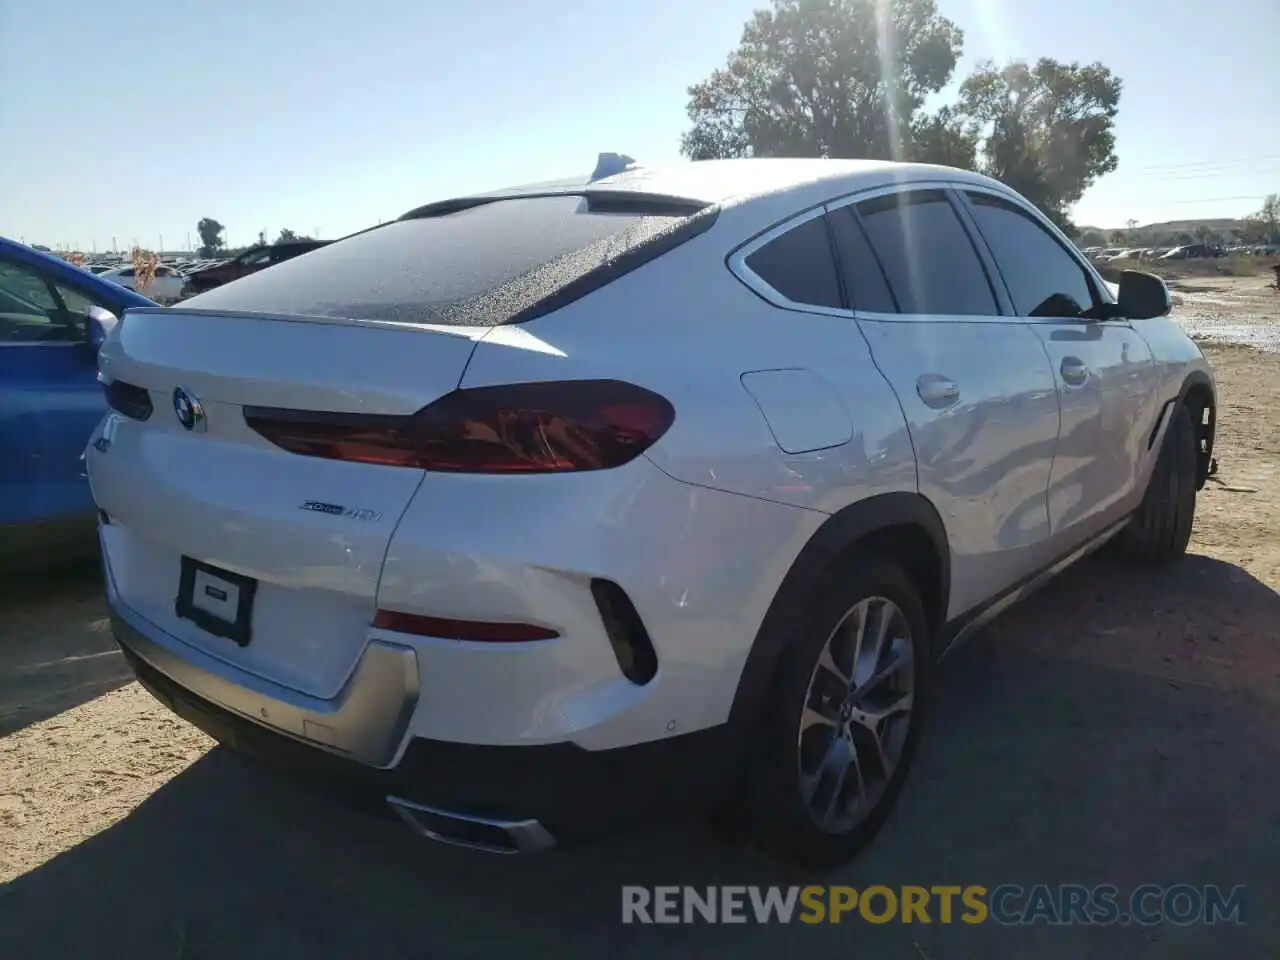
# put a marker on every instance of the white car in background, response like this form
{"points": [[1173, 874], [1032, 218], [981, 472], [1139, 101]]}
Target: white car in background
{"points": [[533, 513], [165, 287]]}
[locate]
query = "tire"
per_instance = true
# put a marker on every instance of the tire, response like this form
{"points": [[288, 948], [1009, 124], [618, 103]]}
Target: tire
{"points": [[1160, 528], [786, 803]]}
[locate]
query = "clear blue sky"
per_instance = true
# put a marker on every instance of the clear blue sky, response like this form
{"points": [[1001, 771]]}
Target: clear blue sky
{"points": [[135, 120]]}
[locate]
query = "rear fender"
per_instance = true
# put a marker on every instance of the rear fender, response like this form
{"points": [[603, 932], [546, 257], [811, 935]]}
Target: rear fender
{"points": [[840, 533]]}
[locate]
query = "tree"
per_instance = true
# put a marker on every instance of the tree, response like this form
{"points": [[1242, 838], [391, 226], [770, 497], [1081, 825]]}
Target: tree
{"points": [[287, 236], [1093, 238], [944, 137], [1118, 237], [211, 240], [1206, 235], [1045, 130], [1269, 217], [1132, 225], [1252, 230], [830, 78]]}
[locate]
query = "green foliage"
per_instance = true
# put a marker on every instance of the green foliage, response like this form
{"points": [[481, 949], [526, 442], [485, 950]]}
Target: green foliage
{"points": [[1268, 219], [1046, 130], [1252, 230], [211, 240], [827, 78], [849, 78], [287, 235]]}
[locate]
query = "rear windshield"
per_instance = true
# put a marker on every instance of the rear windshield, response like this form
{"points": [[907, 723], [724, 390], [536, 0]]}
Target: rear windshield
{"points": [[485, 265]]}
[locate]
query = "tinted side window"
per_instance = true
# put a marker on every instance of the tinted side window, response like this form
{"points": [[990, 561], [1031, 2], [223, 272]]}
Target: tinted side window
{"points": [[1044, 280], [926, 254], [863, 279], [799, 265], [29, 312]]}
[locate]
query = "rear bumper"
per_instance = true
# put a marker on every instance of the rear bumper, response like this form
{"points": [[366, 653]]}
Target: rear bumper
{"points": [[365, 721], [550, 793]]}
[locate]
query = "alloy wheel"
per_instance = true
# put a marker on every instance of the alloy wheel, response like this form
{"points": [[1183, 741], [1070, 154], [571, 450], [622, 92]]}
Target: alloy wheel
{"points": [[856, 715]]}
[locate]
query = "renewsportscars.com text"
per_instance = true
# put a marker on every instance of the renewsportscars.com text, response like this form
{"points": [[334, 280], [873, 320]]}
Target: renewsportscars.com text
{"points": [[1007, 904]]}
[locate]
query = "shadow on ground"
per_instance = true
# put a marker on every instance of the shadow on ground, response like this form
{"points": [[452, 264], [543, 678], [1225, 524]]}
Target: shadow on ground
{"points": [[56, 650], [1089, 737]]}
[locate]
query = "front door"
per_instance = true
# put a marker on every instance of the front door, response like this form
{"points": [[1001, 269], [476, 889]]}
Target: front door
{"points": [[1106, 377]]}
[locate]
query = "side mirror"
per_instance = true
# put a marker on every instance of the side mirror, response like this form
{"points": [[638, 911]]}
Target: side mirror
{"points": [[100, 323], [1142, 296]]}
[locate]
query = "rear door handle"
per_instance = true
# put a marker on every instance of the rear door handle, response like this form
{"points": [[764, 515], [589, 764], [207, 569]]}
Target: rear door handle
{"points": [[1074, 372], [936, 390]]}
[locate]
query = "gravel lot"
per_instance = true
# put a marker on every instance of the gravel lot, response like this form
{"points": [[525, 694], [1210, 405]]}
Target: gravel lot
{"points": [[1122, 727]]}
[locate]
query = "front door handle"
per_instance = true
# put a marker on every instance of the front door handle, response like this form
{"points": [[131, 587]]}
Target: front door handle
{"points": [[936, 390], [1074, 372]]}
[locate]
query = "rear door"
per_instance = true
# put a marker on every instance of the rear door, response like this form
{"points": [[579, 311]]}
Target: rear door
{"points": [[975, 386], [49, 398], [1104, 371]]}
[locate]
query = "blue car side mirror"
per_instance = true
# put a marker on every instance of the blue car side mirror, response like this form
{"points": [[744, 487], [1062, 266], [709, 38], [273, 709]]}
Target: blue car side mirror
{"points": [[100, 323]]}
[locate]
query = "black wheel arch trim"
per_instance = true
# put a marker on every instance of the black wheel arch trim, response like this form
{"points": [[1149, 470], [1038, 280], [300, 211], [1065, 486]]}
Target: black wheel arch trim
{"points": [[838, 533], [1205, 432]]}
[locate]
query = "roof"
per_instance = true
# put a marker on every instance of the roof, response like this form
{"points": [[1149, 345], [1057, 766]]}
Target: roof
{"points": [[722, 182], [725, 181]]}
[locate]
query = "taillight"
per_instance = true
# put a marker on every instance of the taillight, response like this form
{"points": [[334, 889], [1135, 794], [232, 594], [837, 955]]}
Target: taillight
{"points": [[553, 427]]}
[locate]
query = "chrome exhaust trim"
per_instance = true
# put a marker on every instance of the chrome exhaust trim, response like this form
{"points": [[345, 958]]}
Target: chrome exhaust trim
{"points": [[475, 833]]}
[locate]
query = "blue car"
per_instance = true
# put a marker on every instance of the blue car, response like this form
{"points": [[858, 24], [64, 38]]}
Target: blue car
{"points": [[52, 315]]}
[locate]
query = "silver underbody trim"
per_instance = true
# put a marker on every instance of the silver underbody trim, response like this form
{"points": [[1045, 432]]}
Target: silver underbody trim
{"points": [[364, 722], [1031, 586]]}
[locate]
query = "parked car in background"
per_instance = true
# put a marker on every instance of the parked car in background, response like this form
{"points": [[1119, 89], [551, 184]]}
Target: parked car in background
{"points": [[1192, 251], [251, 261], [1133, 254], [660, 490], [50, 402], [165, 287]]}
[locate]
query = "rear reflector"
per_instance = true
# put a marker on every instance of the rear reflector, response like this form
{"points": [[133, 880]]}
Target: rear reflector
{"points": [[447, 629], [552, 427]]}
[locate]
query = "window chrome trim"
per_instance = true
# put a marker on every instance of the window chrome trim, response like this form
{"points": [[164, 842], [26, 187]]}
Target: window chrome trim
{"points": [[737, 262]]}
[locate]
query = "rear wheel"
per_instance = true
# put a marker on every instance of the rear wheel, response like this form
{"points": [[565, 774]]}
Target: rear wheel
{"points": [[1161, 527], [844, 719]]}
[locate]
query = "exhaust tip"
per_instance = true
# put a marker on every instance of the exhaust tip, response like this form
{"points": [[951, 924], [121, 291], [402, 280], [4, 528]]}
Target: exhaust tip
{"points": [[475, 833]]}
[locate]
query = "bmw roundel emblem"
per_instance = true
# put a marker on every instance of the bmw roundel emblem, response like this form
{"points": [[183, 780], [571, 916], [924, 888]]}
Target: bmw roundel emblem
{"points": [[189, 409]]}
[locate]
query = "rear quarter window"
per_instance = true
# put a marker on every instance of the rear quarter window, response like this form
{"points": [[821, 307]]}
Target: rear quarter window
{"points": [[496, 263]]}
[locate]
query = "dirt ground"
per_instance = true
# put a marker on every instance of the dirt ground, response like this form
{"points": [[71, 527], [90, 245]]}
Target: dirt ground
{"points": [[1123, 726]]}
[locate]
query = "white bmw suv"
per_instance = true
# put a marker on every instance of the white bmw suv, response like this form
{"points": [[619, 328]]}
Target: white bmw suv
{"points": [[532, 513]]}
